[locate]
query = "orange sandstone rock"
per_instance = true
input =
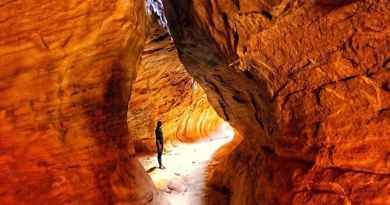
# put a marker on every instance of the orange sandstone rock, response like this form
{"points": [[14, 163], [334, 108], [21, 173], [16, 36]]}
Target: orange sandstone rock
{"points": [[163, 90], [305, 85], [66, 68]]}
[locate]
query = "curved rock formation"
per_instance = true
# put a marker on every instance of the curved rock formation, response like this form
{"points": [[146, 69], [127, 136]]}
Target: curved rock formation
{"points": [[66, 68], [306, 83], [163, 90]]}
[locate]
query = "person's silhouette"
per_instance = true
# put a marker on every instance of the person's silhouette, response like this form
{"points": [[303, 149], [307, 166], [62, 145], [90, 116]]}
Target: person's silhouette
{"points": [[159, 144]]}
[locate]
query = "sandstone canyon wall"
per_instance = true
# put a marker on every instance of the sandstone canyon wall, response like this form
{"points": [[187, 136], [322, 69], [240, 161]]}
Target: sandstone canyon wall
{"points": [[306, 85], [66, 68], [163, 90]]}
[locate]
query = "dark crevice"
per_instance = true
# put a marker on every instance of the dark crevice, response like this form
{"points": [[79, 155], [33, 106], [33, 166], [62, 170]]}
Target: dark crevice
{"points": [[223, 106], [225, 20], [256, 108], [239, 99], [349, 78], [244, 49], [386, 65], [231, 43], [369, 73], [384, 110], [333, 4], [235, 39], [214, 86], [317, 94], [249, 75], [223, 190], [236, 4], [316, 130], [160, 37], [267, 15], [386, 86], [268, 150]]}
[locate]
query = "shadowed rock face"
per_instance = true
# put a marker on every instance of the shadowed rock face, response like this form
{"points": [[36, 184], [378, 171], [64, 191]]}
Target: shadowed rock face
{"points": [[306, 84], [66, 68], [163, 90]]}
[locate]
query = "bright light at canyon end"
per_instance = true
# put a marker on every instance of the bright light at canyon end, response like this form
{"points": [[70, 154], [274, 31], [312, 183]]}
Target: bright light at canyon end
{"points": [[305, 84]]}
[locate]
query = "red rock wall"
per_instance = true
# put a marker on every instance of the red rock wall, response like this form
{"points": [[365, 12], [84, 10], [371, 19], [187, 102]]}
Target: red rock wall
{"points": [[306, 84], [163, 90], [66, 68]]}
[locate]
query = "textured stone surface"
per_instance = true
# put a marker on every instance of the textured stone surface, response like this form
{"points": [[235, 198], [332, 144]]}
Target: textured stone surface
{"points": [[163, 90], [306, 84], [66, 68]]}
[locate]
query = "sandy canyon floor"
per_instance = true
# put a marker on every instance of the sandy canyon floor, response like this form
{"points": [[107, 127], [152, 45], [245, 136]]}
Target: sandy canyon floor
{"points": [[183, 180]]}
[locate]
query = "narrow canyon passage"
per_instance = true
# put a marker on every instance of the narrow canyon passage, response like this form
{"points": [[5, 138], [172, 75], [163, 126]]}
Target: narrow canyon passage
{"points": [[183, 180], [305, 84]]}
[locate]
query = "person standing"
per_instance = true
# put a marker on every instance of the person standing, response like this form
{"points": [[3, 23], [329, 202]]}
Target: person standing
{"points": [[159, 144]]}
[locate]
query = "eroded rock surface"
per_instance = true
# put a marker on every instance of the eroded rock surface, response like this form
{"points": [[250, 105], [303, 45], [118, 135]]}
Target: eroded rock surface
{"points": [[163, 90], [306, 84], [66, 68]]}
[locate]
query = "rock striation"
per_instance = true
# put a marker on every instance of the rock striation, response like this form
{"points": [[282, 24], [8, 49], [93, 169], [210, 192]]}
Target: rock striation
{"points": [[66, 68], [306, 85], [163, 90]]}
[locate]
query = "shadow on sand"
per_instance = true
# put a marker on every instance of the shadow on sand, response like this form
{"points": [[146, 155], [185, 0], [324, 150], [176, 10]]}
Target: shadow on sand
{"points": [[151, 169]]}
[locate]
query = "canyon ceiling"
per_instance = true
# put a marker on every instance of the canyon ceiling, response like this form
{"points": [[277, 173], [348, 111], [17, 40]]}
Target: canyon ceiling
{"points": [[305, 84]]}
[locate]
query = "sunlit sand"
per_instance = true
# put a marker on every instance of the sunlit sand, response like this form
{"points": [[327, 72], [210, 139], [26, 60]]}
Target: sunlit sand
{"points": [[182, 182]]}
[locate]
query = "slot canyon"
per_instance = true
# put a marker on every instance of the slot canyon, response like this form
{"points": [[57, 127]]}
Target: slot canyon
{"points": [[304, 84]]}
